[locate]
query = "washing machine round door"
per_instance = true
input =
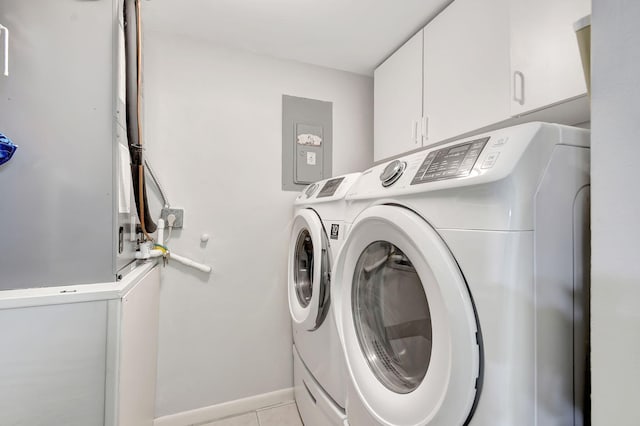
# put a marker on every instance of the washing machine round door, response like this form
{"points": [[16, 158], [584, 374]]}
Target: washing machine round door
{"points": [[309, 270], [406, 321]]}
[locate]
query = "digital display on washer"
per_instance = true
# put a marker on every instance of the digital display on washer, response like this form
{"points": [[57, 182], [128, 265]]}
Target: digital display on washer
{"points": [[450, 162], [330, 187]]}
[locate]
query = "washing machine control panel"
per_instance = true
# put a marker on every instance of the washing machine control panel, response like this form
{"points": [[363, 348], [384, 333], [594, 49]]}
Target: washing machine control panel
{"points": [[330, 187], [451, 162]]}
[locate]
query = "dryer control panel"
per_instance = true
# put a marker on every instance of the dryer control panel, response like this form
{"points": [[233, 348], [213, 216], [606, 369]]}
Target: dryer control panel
{"points": [[330, 187], [327, 190], [450, 162]]}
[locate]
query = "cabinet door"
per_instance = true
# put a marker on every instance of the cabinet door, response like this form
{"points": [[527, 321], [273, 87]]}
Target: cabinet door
{"points": [[139, 352], [53, 365], [545, 61], [398, 101], [466, 68]]}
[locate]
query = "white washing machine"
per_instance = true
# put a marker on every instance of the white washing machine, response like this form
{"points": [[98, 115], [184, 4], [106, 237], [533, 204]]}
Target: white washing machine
{"points": [[459, 293], [319, 229]]}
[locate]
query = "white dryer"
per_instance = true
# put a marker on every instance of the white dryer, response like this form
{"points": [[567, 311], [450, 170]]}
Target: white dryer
{"points": [[319, 228], [460, 290]]}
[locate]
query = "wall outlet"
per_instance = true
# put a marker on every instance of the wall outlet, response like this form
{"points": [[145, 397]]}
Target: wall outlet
{"points": [[179, 213]]}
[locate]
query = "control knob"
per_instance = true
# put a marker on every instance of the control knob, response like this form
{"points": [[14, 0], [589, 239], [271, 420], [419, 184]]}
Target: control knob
{"points": [[392, 172], [310, 190]]}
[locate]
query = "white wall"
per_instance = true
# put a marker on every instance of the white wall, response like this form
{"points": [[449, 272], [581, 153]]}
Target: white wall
{"points": [[213, 128], [615, 307]]}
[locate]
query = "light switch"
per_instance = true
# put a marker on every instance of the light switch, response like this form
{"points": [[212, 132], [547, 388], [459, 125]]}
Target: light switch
{"points": [[311, 158]]}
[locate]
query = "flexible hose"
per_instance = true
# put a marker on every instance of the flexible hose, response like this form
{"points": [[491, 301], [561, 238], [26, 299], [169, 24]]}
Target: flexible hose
{"points": [[143, 197], [141, 188], [133, 38]]}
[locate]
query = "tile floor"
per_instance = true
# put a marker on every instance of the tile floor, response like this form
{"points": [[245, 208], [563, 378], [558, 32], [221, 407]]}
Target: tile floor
{"points": [[281, 415]]}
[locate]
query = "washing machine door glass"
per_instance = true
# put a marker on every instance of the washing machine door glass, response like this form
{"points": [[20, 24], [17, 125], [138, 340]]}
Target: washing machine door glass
{"points": [[303, 267], [406, 321], [391, 316], [309, 270]]}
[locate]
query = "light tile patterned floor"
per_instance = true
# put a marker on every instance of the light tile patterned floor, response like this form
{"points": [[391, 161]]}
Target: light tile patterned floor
{"points": [[281, 415]]}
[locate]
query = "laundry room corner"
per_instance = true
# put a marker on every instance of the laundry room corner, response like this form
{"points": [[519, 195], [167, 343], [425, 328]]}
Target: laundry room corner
{"points": [[213, 126]]}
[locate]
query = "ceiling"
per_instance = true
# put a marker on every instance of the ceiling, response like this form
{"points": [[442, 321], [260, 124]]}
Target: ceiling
{"points": [[349, 35]]}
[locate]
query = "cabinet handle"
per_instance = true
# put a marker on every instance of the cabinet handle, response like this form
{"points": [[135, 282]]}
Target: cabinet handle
{"points": [[414, 131], [520, 75], [6, 49]]}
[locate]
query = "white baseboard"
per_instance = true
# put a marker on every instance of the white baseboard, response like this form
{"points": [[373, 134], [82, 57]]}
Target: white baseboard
{"points": [[226, 409]]}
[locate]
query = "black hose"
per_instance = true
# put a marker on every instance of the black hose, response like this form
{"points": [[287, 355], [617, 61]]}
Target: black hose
{"points": [[135, 146]]}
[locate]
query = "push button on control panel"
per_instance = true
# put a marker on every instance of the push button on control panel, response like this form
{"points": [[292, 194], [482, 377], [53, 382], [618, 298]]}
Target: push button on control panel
{"points": [[491, 159], [500, 141]]}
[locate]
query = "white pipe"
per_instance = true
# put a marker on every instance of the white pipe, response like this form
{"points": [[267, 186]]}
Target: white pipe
{"points": [[146, 252], [161, 231], [149, 254], [6, 49], [189, 262]]}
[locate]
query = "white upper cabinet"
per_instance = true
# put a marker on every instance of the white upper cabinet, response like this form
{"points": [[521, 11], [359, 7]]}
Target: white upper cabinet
{"points": [[466, 68], [398, 101], [545, 61], [480, 65]]}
